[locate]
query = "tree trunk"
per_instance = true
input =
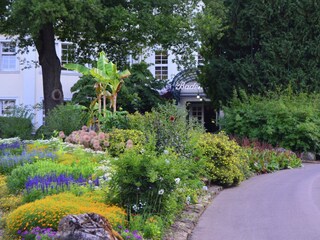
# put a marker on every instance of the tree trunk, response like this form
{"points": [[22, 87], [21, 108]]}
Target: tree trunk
{"points": [[51, 68]]}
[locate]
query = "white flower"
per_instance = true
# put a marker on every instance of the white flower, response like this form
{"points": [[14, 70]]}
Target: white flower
{"points": [[205, 188], [177, 180], [167, 161], [161, 192], [161, 179], [135, 208], [166, 152], [90, 181], [188, 200]]}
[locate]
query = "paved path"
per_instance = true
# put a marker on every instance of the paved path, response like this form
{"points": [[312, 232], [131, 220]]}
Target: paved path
{"points": [[280, 206]]}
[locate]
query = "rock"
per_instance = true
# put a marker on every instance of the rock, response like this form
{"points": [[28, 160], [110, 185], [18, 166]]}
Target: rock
{"points": [[308, 156], [86, 226]]}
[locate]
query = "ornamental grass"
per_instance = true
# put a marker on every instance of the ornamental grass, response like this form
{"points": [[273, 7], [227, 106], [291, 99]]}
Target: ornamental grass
{"points": [[47, 212]]}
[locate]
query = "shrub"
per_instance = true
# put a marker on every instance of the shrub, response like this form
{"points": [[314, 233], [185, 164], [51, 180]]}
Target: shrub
{"points": [[167, 126], [47, 212], [281, 119], [271, 160], [144, 181], [225, 161], [89, 139], [119, 138], [264, 158], [19, 176], [66, 118], [15, 127], [113, 120]]}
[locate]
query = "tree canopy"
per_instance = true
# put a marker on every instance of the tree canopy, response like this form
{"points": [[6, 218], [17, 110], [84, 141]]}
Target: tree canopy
{"points": [[116, 27], [265, 45]]}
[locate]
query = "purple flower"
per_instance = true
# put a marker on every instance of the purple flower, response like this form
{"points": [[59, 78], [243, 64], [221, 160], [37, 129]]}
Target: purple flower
{"points": [[50, 181]]}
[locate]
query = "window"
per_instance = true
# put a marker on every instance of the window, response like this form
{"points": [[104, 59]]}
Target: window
{"points": [[67, 53], [196, 111], [8, 58], [161, 65], [161, 57], [161, 72], [200, 60], [6, 105]]}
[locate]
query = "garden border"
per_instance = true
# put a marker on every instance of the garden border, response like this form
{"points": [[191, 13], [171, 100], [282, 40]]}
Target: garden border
{"points": [[187, 220]]}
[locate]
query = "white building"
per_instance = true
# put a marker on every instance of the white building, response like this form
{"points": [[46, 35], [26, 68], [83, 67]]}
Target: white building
{"points": [[21, 80]]}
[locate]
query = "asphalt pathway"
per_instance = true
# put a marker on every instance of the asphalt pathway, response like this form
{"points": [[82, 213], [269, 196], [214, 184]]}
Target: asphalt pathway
{"points": [[280, 206]]}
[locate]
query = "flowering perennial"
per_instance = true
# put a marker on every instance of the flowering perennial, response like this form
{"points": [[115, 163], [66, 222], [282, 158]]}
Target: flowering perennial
{"points": [[9, 161], [50, 181]]}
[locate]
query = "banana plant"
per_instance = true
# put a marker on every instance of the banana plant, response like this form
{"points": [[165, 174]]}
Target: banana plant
{"points": [[108, 80]]}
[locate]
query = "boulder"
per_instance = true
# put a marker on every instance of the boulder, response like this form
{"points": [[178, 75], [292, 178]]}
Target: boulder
{"points": [[308, 156], [86, 226]]}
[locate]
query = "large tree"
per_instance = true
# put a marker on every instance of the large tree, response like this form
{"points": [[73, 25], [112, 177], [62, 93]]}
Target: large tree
{"points": [[266, 45], [117, 27]]}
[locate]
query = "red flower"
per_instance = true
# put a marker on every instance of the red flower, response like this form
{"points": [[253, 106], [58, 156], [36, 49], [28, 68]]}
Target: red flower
{"points": [[172, 118]]}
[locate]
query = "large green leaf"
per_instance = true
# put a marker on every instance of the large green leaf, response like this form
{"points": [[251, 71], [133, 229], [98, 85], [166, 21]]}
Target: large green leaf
{"points": [[124, 74], [77, 67], [102, 62], [99, 75]]}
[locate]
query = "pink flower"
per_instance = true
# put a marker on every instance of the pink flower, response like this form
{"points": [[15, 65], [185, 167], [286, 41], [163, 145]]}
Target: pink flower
{"points": [[61, 134], [92, 133], [101, 136]]}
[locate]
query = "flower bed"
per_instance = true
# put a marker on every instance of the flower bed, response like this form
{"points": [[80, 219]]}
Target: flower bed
{"points": [[151, 172]]}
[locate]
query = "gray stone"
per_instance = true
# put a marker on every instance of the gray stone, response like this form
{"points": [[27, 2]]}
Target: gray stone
{"points": [[308, 156], [86, 226]]}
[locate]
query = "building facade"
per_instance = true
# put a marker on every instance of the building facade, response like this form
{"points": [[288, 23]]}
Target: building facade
{"points": [[21, 80]]}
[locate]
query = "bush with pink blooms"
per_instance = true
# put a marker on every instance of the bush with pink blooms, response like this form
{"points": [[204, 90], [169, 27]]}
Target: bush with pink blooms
{"points": [[115, 142], [89, 139]]}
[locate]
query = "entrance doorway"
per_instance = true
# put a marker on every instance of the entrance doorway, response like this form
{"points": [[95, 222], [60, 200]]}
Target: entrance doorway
{"points": [[204, 113]]}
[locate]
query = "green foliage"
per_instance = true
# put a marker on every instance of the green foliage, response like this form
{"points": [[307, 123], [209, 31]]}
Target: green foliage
{"points": [[271, 160], [167, 126], [265, 45], [18, 177], [118, 140], [112, 120], [22, 111], [66, 118], [139, 93], [281, 119], [225, 161], [143, 181], [15, 127], [83, 91], [108, 80]]}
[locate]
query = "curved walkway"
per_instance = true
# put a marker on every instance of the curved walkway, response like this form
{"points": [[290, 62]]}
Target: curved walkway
{"points": [[280, 206]]}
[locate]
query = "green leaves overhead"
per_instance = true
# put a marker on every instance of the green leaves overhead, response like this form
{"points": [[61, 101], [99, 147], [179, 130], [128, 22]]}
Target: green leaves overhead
{"points": [[265, 45]]}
